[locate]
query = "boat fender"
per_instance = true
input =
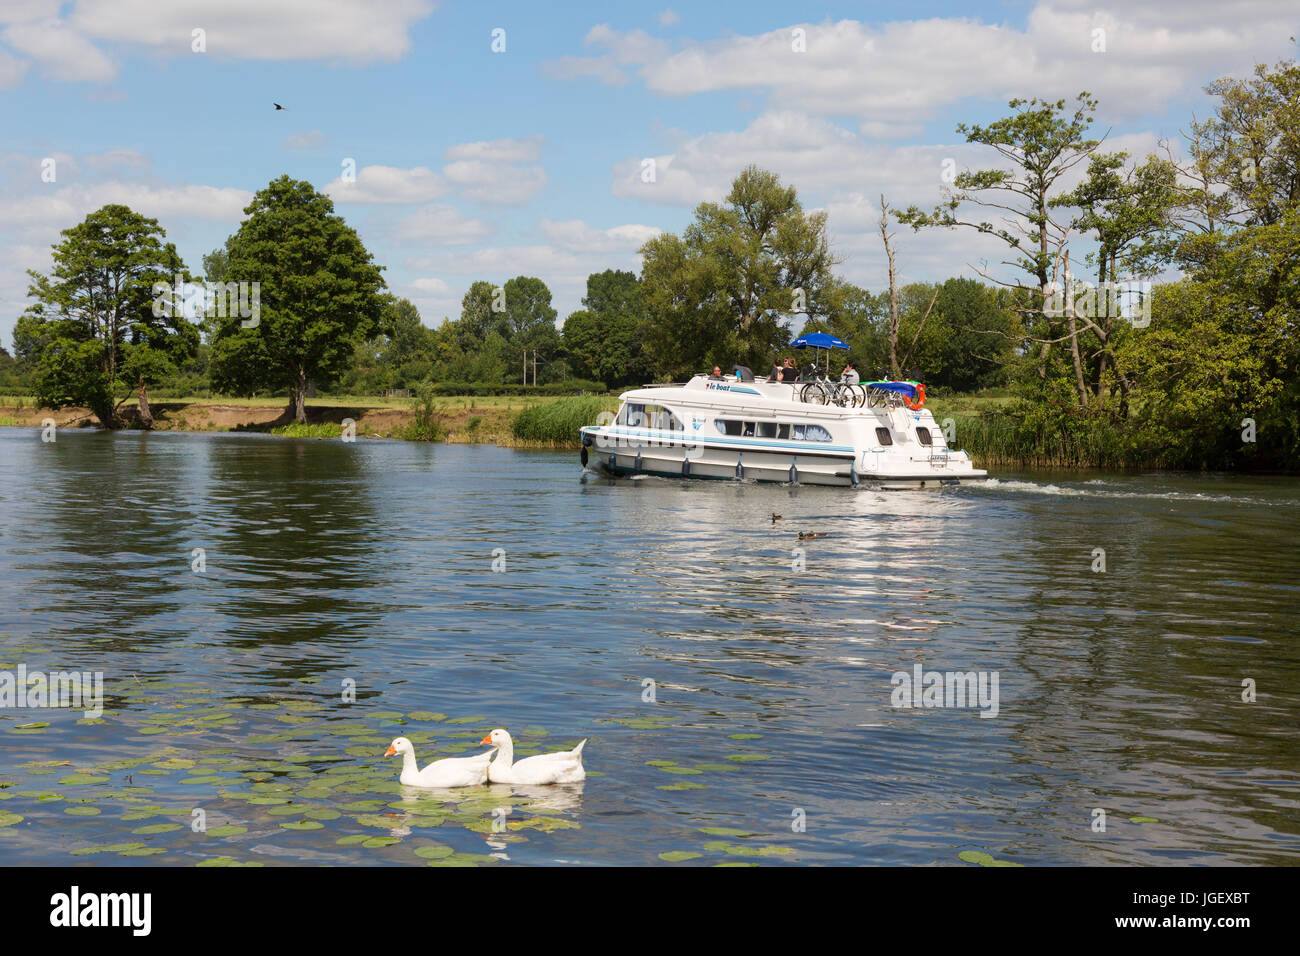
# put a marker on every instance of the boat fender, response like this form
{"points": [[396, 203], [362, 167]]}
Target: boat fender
{"points": [[686, 468], [794, 474], [740, 466], [636, 466], [853, 474], [584, 456]]}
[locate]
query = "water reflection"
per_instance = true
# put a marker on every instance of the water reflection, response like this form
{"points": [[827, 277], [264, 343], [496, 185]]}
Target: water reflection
{"points": [[769, 658]]}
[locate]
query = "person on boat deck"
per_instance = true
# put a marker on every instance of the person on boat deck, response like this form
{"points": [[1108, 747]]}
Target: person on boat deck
{"points": [[717, 372], [789, 373], [850, 375], [775, 374]]}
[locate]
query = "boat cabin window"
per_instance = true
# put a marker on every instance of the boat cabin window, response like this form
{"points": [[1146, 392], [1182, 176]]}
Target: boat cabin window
{"points": [[778, 430], [883, 436], [638, 415], [924, 437], [811, 433]]}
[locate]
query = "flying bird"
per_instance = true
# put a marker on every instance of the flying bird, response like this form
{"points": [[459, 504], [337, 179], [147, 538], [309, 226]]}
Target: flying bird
{"points": [[278, 106]]}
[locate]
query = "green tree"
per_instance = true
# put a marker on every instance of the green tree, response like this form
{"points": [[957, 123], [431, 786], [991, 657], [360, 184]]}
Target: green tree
{"points": [[319, 294], [98, 328], [603, 340], [722, 290], [1131, 213], [1041, 142], [530, 324]]}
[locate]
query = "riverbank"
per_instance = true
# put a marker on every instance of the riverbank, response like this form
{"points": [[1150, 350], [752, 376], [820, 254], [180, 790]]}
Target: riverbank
{"points": [[458, 419], [993, 427]]}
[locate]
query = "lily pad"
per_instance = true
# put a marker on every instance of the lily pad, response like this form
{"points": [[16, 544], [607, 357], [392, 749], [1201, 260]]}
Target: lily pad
{"points": [[157, 828], [436, 852], [81, 779], [226, 831], [678, 856]]}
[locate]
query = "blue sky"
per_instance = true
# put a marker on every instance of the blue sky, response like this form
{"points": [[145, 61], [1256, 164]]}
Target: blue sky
{"points": [[474, 164]]}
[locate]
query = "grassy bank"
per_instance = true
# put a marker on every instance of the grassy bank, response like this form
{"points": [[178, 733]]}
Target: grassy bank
{"points": [[464, 419], [557, 423], [993, 428]]}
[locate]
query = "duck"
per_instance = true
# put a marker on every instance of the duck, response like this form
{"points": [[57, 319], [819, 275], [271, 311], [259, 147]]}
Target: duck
{"points": [[564, 766], [805, 535], [449, 772], [776, 517]]}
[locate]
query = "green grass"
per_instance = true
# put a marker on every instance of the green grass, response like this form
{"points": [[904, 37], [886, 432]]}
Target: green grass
{"points": [[557, 423], [307, 430]]}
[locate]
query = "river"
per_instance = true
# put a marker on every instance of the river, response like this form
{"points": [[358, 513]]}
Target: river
{"points": [[268, 613]]}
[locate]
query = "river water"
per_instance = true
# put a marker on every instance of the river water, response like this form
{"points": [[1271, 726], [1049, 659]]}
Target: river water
{"points": [[736, 685]]}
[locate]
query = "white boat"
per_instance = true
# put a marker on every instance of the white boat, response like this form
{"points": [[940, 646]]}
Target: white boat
{"points": [[739, 427]]}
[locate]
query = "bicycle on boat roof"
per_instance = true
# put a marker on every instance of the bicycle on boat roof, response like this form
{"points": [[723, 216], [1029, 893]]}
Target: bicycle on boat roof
{"points": [[823, 391]]}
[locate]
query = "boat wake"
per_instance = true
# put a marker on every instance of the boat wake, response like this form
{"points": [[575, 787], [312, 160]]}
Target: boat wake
{"points": [[1100, 488]]}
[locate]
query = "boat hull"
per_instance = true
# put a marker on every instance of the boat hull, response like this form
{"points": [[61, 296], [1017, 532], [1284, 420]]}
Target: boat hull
{"points": [[702, 461]]}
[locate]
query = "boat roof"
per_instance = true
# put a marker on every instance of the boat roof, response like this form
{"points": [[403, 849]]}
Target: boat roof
{"points": [[731, 393]]}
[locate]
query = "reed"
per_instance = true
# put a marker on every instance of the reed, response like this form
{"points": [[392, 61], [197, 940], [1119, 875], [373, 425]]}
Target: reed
{"points": [[425, 424], [1005, 438], [557, 423]]}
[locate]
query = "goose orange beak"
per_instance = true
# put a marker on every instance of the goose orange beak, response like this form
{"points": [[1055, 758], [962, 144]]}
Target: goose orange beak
{"points": [[486, 740], [390, 751]]}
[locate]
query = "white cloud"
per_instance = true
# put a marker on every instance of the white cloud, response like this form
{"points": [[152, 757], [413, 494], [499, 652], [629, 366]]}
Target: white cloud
{"points": [[525, 150], [431, 286], [12, 70], [576, 235], [388, 184], [355, 31], [498, 183], [807, 151], [894, 75], [62, 52], [440, 225], [635, 48], [63, 207], [668, 18], [499, 172], [308, 139]]}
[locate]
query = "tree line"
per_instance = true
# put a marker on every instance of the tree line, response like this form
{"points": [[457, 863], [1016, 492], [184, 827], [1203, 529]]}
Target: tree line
{"points": [[1190, 365]]}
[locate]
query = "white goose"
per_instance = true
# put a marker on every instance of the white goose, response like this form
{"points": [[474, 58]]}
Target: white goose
{"points": [[564, 766], [449, 772]]}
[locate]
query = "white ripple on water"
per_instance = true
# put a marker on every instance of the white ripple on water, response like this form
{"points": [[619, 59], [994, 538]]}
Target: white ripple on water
{"points": [[1011, 484]]}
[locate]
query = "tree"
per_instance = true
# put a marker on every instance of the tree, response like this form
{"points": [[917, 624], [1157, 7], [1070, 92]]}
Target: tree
{"points": [[603, 340], [530, 322], [1130, 212], [98, 328], [1222, 346], [319, 296], [721, 290], [1041, 142]]}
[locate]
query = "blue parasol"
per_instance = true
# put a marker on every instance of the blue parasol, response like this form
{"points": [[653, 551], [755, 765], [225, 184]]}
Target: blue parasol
{"points": [[819, 340]]}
